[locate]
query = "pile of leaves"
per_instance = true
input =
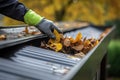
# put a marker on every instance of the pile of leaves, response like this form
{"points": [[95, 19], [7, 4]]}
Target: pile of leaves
{"points": [[68, 45]]}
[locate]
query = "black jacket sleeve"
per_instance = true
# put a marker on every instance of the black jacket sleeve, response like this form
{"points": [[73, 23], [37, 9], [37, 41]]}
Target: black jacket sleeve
{"points": [[13, 9]]}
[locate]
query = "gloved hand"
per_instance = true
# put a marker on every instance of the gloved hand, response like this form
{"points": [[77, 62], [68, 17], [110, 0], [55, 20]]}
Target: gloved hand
{"points": [[44, 25], [47, 27]]}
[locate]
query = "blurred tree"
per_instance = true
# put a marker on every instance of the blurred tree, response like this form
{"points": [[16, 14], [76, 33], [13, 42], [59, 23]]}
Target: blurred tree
{"points": [[95, 11]]}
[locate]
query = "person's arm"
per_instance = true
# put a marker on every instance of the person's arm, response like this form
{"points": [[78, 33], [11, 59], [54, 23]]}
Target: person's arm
{"points": [[13, 9], [16, 10]]}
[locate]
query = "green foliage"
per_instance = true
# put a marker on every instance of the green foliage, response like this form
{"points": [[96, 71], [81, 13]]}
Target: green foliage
{"points": [[114, 58]]}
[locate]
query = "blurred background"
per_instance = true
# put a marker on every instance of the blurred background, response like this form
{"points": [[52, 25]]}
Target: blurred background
{"points": [[98, 12]]}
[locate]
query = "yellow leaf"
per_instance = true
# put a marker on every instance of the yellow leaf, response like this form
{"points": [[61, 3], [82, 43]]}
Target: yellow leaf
{"points": [[96, 42], [58, 37], [86, 43], [56, 46], [71, 39], [78, 38]]}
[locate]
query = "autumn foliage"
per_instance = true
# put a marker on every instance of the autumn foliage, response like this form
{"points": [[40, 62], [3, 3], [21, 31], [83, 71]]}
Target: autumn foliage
{"points": [[95, 11], [78, 47]]}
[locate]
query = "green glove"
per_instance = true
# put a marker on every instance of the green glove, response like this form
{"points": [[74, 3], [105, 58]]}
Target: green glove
{"points": [[44, 25]]}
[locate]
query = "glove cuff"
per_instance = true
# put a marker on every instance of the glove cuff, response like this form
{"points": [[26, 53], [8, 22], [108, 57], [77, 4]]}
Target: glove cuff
{"points": [[32, 18]]}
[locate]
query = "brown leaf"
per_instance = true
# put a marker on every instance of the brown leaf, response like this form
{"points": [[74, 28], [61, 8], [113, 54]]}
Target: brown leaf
{"points": [[2, 37], [78, 48], [85, 49], [26, 30], [35, 33], [66, 42], [43, 45], [81, 54]]}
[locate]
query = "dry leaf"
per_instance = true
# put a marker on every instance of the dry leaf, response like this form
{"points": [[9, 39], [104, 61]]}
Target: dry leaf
{"points": [[78, 38], [71, 39], [2, 37], [58, 37], [66, 42], [26, 30], [81, 54], [78, 48], [35, 32], [56, 46], [86, 43]]}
